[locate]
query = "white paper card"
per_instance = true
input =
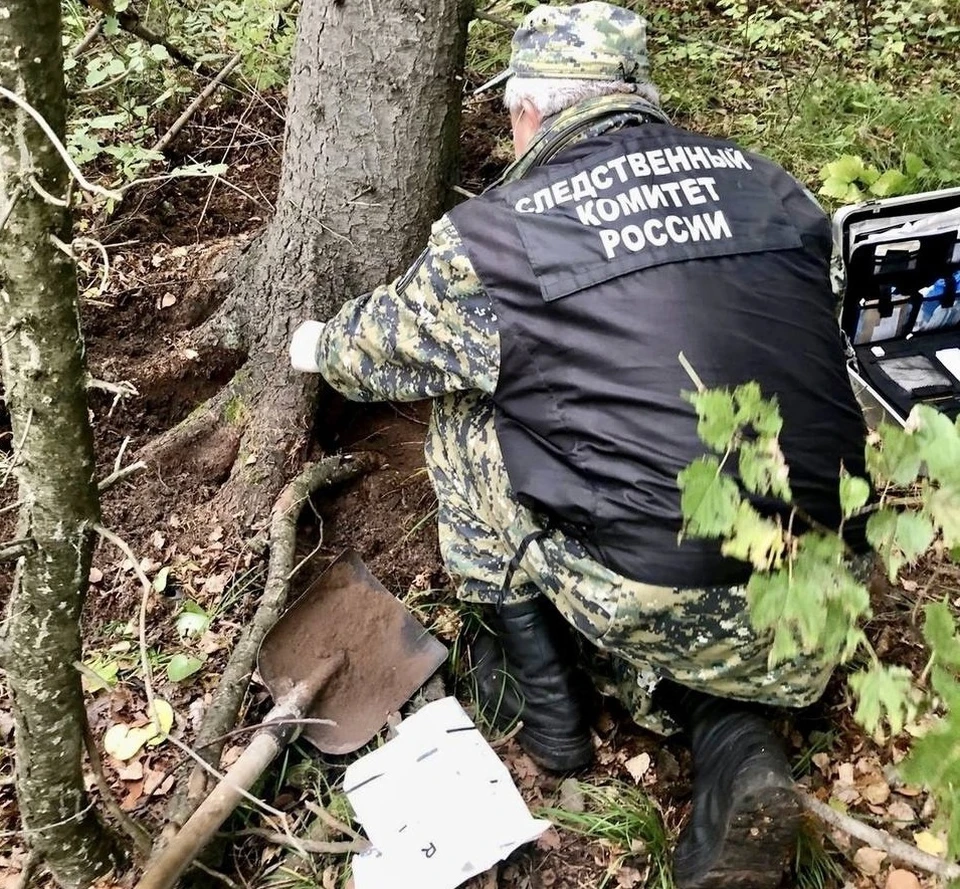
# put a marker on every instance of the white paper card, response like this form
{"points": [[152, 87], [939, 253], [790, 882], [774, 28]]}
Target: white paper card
{"points": [[950, 359], [436, 803]]}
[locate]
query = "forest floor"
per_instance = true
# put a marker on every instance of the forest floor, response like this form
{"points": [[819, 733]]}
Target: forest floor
{"points": [[615, 823]]}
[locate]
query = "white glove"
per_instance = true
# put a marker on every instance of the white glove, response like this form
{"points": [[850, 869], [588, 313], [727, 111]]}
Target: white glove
{"points": [[303, 346]]}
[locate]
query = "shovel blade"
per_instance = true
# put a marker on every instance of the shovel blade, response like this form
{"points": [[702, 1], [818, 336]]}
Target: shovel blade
{"points": [[388, 655]]}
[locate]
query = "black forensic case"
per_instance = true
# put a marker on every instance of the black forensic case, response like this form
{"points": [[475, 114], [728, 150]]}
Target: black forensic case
{"points": [[900, 306]]}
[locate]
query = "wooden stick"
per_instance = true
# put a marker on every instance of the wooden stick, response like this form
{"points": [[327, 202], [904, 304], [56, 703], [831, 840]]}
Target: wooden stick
{"points": [[880, 839], [197, 103], [164, 870], [13, 549]]}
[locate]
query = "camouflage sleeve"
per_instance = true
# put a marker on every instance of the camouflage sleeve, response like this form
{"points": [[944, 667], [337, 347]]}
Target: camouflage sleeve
{"points": [[429, 333]]}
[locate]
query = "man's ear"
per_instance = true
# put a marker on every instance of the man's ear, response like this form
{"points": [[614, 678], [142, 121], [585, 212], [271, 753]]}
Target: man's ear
{"points": [[531, 114]]}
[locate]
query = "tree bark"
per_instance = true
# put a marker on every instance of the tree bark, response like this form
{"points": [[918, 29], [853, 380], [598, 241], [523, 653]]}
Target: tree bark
{"points": [[43, 372], [372, 123]]}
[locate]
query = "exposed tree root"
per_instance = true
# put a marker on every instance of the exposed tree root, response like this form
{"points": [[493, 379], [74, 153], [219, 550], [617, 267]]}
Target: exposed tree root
{"points": [[227, 699]]}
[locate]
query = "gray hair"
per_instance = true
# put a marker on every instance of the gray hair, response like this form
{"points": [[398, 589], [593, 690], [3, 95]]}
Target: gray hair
{"points": [[551, 95]]}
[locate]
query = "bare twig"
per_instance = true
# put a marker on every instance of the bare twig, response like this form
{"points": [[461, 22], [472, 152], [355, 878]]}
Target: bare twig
{"points": [[495, 19], [13, 549], [30, 867], [688, 367], [458, 189], [93, 32], [197, 103], [41, 122], [141, 839], [49, 198], [8, 210], [880, 839], [331, 822], [104, 276], [508, 737], [313, 847], [246, 729], [124, 547], [209, 871], [118, 475]]}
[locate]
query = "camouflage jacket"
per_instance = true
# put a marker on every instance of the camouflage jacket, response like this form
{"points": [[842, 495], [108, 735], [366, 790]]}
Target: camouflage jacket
{"points": [[433, 331]]}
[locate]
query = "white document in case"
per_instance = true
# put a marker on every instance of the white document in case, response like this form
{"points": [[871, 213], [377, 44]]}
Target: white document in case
{"points": [[436, 803], [950, 359]]}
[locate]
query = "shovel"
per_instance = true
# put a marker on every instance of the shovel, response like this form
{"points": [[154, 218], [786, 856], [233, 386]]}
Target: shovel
{"points": [[346, 651]]}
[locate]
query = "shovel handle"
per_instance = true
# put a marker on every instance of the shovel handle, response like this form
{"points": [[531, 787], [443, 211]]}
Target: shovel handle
{"points": [[166, 867]]}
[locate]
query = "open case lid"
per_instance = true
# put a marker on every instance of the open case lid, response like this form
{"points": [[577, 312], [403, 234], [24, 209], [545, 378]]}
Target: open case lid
{"points": [[886, 268]]}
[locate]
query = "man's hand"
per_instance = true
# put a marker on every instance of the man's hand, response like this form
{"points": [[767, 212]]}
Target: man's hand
{"points": [[303, 346]]}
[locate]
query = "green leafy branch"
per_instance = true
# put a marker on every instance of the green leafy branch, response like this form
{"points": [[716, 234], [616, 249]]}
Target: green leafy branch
{"points": [[807, 592]]}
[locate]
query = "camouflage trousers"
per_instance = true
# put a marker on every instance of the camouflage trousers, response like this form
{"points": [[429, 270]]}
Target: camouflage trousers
{"points": [[635, 634]]}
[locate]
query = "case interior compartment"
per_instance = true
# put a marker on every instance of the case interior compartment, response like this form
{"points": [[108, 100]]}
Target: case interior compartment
{"points": [[901, 304]]}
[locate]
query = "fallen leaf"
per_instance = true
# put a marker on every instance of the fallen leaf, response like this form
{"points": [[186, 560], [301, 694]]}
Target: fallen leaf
{"points": [[548, 840], [216, 583], [902, 879], [901, 812], [131, 772], [930, 844], [124, 742], [167, 300], [133, 796], [868, 860], [628, 878], [876, 793], [638, 766], [95, 575], [191, 354], [822, 762], [160, 726], [571, 796], [845, 773], [548, 877]]}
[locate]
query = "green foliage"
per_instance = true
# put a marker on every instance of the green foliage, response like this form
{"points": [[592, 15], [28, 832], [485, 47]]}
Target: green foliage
{"points": [[849, 180], [935, 757], [805, 593]]}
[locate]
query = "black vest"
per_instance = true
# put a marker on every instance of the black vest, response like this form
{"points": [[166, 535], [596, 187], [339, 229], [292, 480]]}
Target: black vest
{"points": [[603, 266]]}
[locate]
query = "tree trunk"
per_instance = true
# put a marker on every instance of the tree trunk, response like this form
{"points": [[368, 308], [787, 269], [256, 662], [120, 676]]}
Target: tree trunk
{"points": [[372, 123], [43, 372]]}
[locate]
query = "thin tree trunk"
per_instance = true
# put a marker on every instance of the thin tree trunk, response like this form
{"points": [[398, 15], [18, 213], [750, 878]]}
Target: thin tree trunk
{"points": [[43, 373], [372, 123]]}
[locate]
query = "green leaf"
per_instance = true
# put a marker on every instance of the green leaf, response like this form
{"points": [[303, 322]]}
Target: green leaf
{"points": [[943, 505], [111, 26], [763, 468], [836, 188], [192, 619], [940, 633], [182, 666], [854, 493], [899, 537], [763, 414], [160, 581], [897, 458], [869, 175], [890, 183], [847, 168], [161, 721], [718, 423], [914, 165], [708, 498], [158, 52], [883, 694], [755, 539], [937, 442]]}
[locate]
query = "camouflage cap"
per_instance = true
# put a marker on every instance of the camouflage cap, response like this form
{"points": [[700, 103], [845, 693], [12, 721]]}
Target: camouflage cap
{"points": [[587, 41]]}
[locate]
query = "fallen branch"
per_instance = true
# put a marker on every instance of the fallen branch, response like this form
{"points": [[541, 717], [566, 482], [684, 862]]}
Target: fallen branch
{"points": [[313, 847], [93, 32], [197, 103], [118, 475], [880, 839], [13, 549], [495, 19], [232, 688]]}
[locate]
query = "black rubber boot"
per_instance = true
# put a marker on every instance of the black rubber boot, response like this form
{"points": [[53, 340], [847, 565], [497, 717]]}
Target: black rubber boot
{"points": [[746, 814], [526, 670]]}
